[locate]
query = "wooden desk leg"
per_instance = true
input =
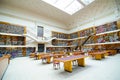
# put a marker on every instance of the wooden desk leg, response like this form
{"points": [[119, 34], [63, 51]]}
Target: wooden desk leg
{"points": [[103, 55], [81, 62], [39, 57], [68, 66], [48, 60], [98, 56], [106, 54]]}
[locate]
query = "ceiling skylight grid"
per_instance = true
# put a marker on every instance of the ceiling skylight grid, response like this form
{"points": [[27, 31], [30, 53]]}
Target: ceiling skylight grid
{"points": [[68, 6], [86, 2], [71, 9]]}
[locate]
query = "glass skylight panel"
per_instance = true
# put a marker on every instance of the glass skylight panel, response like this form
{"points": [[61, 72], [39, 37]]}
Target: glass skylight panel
{"points": [[63, 3], [74, 7], [68, 6], [86, 2], [50, 1]]}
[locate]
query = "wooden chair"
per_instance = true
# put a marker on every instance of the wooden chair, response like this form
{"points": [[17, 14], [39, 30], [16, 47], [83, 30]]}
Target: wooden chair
{"points": [[75, 61], [76, 53], [43, 59], [56, 64], [36, 56]]}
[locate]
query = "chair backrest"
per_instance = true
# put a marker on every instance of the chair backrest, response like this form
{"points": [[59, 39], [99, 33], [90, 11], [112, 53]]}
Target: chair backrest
{"points": [[55, 61]]}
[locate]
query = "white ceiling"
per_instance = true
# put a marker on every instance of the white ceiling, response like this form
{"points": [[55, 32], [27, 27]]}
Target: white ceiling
{"points": [[95, 9]]}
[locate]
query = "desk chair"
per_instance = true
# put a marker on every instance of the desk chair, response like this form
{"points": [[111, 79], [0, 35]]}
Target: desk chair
{"points": [[56, 64], [43, 59], [75, 61]]}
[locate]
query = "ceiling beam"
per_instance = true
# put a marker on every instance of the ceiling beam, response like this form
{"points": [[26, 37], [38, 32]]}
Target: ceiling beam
{"points": [[69, 4], [81, 2]]}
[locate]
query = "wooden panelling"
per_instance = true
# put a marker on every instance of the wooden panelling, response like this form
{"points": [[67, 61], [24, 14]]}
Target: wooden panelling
{"points": [[4, 61]]}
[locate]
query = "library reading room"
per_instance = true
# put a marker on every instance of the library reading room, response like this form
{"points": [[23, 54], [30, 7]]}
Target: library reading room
{"points": [[59, 39]]}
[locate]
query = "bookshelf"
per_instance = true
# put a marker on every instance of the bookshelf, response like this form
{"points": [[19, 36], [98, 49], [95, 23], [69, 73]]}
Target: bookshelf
{"points": [[12, 39], [68, 41], [106, 35]]}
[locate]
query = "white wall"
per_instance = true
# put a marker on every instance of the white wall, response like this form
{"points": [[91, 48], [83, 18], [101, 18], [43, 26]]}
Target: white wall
{"points": [[113, 16]]}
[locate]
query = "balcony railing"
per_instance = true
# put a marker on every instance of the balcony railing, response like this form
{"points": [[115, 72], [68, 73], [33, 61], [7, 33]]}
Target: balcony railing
{"points": [[39, 39]]}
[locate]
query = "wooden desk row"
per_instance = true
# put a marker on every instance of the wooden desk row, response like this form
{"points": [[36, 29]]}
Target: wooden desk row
{"points": [[81, 59], [76, 56], [39, 55]]}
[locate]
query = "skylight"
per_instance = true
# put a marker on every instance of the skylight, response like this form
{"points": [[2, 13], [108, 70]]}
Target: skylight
{"points": [[69, 6], [86, 2]]}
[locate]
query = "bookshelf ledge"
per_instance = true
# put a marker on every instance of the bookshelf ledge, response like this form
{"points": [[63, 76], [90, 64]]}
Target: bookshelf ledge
{"points": [[118, 42], [108, 32], [12, 46], [12, 34]]}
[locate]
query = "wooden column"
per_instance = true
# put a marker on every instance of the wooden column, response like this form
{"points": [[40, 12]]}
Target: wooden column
{"points": [[24, 51], [118, 24]]}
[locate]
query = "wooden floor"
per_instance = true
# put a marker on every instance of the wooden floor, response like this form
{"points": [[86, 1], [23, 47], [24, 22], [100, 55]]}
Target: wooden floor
{"points": [[25, 68]]}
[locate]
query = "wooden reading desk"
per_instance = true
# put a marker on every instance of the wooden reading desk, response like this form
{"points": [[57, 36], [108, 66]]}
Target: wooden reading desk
{"points": [[48, 57], [98, 55], [68, 61]]}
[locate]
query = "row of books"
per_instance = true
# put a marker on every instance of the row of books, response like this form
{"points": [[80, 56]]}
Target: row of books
{"points": [[7, 28], [74, 35], [86, 32], [10, 40], [14, 52], [12, 43], [113, 37], [108, 38], [106, 27], [60, 35]]}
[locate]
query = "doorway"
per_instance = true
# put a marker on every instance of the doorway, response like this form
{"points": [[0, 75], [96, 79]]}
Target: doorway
{"points": [[40, 47]]}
